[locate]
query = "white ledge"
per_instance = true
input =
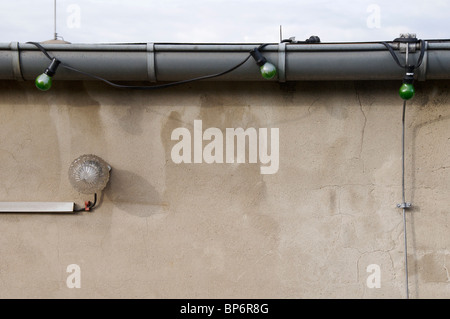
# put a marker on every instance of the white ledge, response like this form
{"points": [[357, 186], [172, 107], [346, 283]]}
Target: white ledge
{"points": [[36, 207]]}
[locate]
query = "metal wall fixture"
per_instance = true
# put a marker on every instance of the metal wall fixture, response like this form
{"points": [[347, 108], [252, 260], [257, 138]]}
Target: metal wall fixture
{"points": [[88, 174]]}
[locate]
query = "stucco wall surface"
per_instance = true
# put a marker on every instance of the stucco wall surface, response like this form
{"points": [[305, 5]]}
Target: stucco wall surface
{"points": [[224, 230]]}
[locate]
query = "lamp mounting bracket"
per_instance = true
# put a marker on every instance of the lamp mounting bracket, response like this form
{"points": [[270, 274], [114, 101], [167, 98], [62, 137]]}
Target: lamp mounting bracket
{"points": [[407, 40]]}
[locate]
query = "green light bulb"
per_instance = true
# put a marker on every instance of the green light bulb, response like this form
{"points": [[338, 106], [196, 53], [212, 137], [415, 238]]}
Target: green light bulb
{"points": [[268, 70], [406, 91], [43, 82]]}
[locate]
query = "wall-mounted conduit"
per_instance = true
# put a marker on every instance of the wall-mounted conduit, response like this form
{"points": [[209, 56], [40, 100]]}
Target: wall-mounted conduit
{"points": [[159, 62], [406, 92]]}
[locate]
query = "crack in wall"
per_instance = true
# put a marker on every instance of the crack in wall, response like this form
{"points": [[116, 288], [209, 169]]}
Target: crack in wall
{"points": [[363, 131]]}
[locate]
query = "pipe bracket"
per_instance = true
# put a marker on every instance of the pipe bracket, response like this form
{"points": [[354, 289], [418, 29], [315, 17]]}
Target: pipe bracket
{"points": [[422, 71], [151, 70], [15, 61], [282, 62], [404, 205]]}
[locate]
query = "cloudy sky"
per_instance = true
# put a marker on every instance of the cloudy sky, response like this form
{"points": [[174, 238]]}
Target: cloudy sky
{"points": [[222, 21]]}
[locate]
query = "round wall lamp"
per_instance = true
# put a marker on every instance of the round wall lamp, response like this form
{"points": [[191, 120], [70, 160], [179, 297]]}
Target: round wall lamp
{"points": [[89, 174]]}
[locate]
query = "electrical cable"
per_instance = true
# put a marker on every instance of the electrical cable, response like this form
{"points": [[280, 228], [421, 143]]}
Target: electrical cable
{"points": [[394, 56], [88, 206], [404, 205], [409, 77], [146, 87]]}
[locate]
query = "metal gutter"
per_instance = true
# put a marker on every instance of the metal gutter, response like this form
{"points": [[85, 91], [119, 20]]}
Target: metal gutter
{"points": [[162, 62]]}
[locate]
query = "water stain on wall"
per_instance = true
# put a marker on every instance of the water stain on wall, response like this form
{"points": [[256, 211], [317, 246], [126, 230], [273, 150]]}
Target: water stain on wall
{"points": [[228, 200], [26, 127]]}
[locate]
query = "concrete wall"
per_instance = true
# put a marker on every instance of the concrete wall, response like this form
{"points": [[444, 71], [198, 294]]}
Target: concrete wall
{"points": [[166, 230]]}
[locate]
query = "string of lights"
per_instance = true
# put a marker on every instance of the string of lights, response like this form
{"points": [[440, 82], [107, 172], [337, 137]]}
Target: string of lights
{"points": [[44, 81]]}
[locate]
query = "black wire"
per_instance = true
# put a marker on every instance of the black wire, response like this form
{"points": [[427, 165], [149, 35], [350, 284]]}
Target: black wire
{"points": [[404, 204], [95, 201], [79, 210], [40, 47], [403, 152], [88, 207], [391, 51], [145, 87], [394, 56]]}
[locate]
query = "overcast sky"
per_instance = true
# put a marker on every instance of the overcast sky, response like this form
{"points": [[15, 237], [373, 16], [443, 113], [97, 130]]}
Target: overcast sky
{"points": [[222, 21]]}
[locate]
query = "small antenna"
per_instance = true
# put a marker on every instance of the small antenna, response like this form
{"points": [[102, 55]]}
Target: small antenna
{"points": [[281, 32], [55, 34], [54, 20]]}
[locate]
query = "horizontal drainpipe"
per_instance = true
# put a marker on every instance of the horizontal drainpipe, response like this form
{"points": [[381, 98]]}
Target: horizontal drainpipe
{"points": [[162, 62]]}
